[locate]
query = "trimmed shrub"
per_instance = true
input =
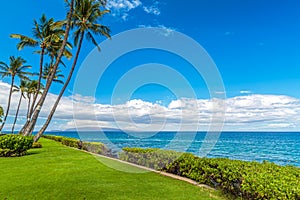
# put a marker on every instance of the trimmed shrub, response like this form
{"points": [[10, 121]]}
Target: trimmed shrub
{"points": [[240, 179], [6, 153], [152, 158], [71, 142], [53, 137], [94, 147], [14, 145]]}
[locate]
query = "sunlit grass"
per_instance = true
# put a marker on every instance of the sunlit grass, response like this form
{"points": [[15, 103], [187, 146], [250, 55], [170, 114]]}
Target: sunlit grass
{"points": [[59, 172]]}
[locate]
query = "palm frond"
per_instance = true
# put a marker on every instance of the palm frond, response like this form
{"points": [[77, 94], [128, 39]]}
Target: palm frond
{"points": [[24, 41], [90, 37]]}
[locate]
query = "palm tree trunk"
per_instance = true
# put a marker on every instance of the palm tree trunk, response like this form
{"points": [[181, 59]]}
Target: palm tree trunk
{"points": [[17, 113], [39, 82], [31, 125], [8, 103], [46, 124], [28, 117]]}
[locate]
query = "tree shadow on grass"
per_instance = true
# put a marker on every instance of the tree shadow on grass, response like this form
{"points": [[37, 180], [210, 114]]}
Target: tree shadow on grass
{"points": [[32, 152]]}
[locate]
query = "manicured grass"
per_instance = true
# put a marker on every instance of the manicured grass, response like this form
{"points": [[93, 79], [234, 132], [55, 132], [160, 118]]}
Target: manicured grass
{"points": [[59, 172]]}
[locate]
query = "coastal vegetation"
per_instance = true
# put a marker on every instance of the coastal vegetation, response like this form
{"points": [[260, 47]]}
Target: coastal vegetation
{"points": [[236, 179], [14, 145], [52, 41], [239, 179], [56, 171]]}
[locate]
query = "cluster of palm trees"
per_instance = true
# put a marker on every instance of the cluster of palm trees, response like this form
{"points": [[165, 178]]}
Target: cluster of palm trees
{"points": [[51, 41]]}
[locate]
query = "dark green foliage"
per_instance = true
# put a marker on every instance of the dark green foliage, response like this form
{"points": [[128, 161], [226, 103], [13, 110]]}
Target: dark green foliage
{"points": [[71, 142], [152, 158], [53, 137], [241, 179], [36, 145], [14, 145], [94, 147]]}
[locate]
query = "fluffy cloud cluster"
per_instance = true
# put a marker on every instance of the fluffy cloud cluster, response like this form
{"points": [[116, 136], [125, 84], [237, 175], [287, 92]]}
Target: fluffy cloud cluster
{"points": [[121, 8], [151, 10], [251, 112]]}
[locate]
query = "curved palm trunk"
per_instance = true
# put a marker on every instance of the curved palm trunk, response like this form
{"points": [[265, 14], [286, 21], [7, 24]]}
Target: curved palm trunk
{"points": [[8, 103], [17, 113], [46, 124], [39, 82], [28, 117], [30, 127]]}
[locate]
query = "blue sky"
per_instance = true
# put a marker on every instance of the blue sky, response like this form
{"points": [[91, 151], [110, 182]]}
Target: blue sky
{"points": [[255, 44]]}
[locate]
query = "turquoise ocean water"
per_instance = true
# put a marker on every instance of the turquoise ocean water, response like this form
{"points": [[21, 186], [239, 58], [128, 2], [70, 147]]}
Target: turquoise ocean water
{"points": [[282, 148]]}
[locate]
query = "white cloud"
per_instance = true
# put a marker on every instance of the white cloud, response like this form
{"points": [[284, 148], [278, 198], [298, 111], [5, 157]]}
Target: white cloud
{"points": [[121, 8], [251, 112], [151, 10], [245, 92], [165, 31], [282, 125], [123, 5]]}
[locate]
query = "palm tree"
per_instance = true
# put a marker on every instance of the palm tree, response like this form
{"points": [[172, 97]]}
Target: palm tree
{"points": [[87, 13], [16, 68], [46, 34], [58, 75], [31, 90], [22, 89], [30, 127]]}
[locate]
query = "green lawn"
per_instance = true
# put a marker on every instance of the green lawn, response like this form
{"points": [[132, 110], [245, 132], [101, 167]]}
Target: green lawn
{"points": [[59, 172]]}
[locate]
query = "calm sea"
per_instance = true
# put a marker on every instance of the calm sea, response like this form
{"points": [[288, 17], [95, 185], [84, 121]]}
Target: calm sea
{"points": [[280, 147]]}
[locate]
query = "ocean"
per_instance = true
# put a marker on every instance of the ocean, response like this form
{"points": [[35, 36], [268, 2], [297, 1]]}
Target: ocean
{"points": [[282, 148]]}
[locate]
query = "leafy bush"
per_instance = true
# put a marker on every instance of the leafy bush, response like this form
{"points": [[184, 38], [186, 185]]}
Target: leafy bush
{"points": [[71, 142], [14, 145], [53, 137], [36, 145], [152, 158], [94, 147], [241, 179]]}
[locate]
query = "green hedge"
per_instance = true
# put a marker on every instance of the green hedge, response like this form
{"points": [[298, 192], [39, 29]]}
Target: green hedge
{"points": [[152, 158], [53, 137], [71, 142], [14, 145], [94, 147], [240, 179]]}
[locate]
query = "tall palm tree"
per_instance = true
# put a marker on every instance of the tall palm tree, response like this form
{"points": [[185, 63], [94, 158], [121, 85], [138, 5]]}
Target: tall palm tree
{"points": [[16, 68], [31, 90], [87, 13], [45, 34], [30, 127], [22, 89]]}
